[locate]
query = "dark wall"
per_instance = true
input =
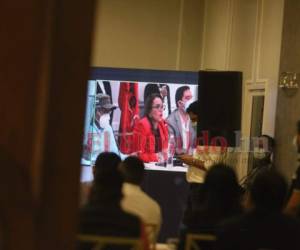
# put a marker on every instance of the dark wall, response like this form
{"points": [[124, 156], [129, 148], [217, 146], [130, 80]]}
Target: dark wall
{"points": [[288, 103]]}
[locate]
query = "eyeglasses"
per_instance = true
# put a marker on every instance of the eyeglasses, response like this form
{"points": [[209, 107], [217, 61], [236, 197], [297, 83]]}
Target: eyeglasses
{"points": [[158, 106]]}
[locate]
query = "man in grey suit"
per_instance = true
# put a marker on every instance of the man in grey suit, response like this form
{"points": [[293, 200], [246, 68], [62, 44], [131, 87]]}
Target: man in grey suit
{"points": [[180, 125]]}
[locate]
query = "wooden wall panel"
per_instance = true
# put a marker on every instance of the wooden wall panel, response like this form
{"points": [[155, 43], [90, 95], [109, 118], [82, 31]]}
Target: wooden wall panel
{"points": [[45, 57]]}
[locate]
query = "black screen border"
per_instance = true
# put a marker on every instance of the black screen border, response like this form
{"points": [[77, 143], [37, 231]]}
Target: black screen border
{"points": [[144, 75]]}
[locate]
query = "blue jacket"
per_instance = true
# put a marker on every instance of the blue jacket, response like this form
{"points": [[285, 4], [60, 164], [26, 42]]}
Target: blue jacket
{"points": [[100, 140]]}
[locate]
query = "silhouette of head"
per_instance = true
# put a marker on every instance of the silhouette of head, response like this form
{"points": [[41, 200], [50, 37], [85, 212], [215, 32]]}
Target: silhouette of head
{"points": [[221, 189], [268, 191], [132, 169], [107, 178]]}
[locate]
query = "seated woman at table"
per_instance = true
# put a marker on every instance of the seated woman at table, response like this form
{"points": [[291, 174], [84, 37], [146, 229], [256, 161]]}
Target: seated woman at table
{"points": [[151, 132]]}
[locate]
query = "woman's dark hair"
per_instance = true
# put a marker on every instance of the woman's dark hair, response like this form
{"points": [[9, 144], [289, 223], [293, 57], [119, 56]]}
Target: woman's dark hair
{"points": [[149, 102], [268, 191], [221, 191]]}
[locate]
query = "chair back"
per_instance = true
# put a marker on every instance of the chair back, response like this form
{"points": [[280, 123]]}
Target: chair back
{"points": [[200, 241], [111, 242]]}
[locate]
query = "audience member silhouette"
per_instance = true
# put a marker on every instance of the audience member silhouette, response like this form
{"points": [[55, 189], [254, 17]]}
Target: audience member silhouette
{"points": [[103, 215], [135, 200], [264, 226], [219, 199]]}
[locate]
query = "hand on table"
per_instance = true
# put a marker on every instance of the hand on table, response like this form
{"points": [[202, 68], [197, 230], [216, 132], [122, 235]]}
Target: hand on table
{"points": [[191, 161], [187, 159]]}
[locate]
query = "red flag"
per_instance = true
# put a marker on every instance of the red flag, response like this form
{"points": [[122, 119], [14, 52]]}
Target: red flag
{"points": [[129, 106]]}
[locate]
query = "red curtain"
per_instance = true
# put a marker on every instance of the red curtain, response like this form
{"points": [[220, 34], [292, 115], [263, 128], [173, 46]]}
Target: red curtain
{"points": [[129, 106]]}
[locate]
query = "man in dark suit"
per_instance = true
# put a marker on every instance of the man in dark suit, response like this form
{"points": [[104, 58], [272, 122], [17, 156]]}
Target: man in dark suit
{"points": [[164, 91]]}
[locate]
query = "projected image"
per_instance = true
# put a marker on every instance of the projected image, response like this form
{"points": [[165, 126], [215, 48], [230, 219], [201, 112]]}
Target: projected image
{"points": [[146, 119]]}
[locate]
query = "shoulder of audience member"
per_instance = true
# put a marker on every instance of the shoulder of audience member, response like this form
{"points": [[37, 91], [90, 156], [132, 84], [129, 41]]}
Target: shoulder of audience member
{"points": [[133, 222]]}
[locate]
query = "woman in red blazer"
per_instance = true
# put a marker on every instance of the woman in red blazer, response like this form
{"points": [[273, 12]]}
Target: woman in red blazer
{"points": [[151, 132]]}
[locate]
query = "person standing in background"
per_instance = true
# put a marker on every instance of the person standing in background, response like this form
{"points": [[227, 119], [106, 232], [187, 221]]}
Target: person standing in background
{"points": [[262, 158], [103, 215], [192, 110]]}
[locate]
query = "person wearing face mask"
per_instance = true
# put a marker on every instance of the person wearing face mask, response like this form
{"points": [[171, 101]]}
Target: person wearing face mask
{"points": [[180, 124], [262, 152], [196, 169], [100, 136], [262, 158]]}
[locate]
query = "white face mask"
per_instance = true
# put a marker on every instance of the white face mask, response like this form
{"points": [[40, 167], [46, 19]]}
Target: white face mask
{"points": [[187, 104], [104, 120], [259, 153]]}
